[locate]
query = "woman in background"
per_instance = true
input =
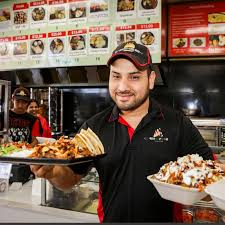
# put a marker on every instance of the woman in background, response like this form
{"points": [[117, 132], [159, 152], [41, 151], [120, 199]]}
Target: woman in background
{"points": [[33, 108]]}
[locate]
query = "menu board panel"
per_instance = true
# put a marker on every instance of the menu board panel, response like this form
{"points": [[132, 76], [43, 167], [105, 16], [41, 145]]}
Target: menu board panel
{"points": [[5, 49], [38, 14], [197, 29], [53, 33], [57, 10], [20, 47], [125, 33], [20, 16], [99, 10], [99, 39], [126, 9], [5, 18], [77, 43], [77, 11], [148, 8]]}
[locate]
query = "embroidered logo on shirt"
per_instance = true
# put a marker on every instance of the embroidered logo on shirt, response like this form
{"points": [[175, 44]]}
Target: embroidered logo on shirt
{"points": [[157, 136]]}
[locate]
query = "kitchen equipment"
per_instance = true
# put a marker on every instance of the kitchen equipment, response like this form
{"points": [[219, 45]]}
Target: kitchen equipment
{"points": [[211, 129]]}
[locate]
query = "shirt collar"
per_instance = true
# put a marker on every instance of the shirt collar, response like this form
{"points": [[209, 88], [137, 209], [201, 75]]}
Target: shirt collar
{"points": [[154, 111]]}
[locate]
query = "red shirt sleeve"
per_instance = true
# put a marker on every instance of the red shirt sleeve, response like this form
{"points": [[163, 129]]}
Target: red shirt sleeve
{"points": [[35, 130]]}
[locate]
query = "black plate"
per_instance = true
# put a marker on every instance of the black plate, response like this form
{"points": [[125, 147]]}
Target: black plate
{"points": [[48, 161]]}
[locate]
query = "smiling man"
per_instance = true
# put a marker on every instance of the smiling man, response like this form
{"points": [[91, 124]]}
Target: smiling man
{"points": [[22, 125], [139, 136]]}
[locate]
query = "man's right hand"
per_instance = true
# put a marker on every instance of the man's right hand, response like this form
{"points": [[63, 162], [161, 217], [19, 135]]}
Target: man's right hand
{"points": [[46, 172], [62, 177]]}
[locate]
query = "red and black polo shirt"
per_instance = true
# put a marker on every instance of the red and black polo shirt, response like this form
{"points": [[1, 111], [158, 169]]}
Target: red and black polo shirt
{"points": [[125, 194]]}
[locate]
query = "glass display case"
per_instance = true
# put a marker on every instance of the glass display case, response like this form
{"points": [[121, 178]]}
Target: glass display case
{"points": [[5, 92], [82, 198], [204, 211]]}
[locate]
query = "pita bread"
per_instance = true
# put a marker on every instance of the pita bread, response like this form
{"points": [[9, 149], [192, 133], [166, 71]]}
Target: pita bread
{"points": [[89, 143], [95, 144], [82, 143], [97, 139]]}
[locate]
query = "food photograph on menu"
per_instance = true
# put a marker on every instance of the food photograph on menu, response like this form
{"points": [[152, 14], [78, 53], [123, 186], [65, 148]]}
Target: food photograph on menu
{"points": [[20, 48], [20, 17], [149, 4], [147, 38], [77, 42], [77, 10], [124, 37], [98, 6], [216, 17], [179, 42], [125, 5], [99, 41], [38, 14], [197, 42], [57, 46], [4, 49], [57, 13], [5, 14], [36, 47]]}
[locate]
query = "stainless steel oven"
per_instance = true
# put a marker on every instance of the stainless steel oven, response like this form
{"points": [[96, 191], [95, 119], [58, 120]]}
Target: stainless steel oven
{"points": [[212, 130], [222, 136], [210, 134]]}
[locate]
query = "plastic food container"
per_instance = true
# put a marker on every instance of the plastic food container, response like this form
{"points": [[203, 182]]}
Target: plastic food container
{"points": [[217, 193], [176, 193], [187, 216], [204, 214]]}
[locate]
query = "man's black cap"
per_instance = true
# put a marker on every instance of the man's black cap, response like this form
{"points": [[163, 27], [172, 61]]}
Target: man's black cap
{"points": [[21, 93], [137, 53]]}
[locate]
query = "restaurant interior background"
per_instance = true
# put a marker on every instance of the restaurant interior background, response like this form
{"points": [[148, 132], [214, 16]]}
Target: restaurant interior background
{"points": [[192, 84], [184, 83]]}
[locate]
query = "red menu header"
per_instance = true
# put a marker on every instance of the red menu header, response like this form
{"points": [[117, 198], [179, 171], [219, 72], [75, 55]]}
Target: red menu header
{"points": [[36, 36], [56, 2], [20, 38], [37, 3], [97, 29], [57, 34], [5, 39], [148, 26], [76, 32], [197, 29], [20, 6], [128, 27]]}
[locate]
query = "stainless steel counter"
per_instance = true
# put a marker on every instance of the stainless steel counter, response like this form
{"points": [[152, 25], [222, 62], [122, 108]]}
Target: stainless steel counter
{"points": [[207, 121]]}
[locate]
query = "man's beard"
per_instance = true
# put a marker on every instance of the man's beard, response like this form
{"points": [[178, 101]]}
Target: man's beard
{"points": [[135, 104]]}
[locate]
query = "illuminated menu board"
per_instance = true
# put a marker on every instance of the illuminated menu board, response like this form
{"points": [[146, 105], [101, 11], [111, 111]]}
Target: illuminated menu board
{"points": [[53, 33], [197, 29]]}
